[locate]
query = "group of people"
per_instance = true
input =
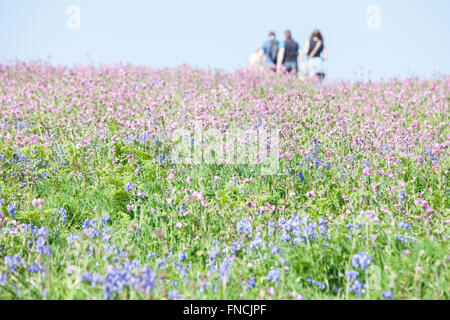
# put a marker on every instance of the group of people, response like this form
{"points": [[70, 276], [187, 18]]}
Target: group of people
{"points": [[287, 55]]}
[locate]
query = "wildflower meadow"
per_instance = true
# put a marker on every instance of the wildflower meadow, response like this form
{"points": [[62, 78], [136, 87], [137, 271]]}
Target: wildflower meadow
{"points": [[119, 182]]}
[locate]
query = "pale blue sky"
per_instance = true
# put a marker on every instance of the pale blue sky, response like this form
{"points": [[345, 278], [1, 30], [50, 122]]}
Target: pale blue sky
{"points": [[413, 38]]}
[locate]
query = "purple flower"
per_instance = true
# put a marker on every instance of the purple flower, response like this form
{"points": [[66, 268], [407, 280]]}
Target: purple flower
{"points": [[181, 256], [3, 278], [173, 295], [236, 246], [388, 294], [274, 275], [12, 262], [244, 227], [12, 209], [70, 239], [361, 260], [358, 288], [224, 269], [250, 283], [129, 186], [86, 277], [35, 268], [62, 212], [275, 250], [285, 237], [319, 284], [351, 275], [404, 225]]}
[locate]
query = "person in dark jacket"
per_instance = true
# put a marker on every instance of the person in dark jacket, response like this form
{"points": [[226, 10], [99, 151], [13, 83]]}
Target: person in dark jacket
{"points": [[288, 53]]}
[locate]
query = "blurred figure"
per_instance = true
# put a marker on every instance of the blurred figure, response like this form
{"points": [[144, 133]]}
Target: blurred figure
{"points": [[316, 53], [289, 51], [270, 49], [257, 60]]}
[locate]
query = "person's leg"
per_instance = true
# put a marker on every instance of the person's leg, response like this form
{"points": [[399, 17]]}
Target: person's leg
{"points": [[287, 66], [321, 76]]}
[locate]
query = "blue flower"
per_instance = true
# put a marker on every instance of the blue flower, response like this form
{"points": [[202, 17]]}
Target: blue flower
{"points": [[351, 275], [173, 295], [35, 268], [403, 225], [244, 227], [224, 269], [86, 277], [319, 284], [3, 278], [275, 250], [71, 239], [388, 294], [274, 275], [129, 187], [236, 246], [62, 212], [250, 283], [285, 237], [358, 288], [151, 255], [13, 262], [361, 260], [181, 256], [12, 209]]}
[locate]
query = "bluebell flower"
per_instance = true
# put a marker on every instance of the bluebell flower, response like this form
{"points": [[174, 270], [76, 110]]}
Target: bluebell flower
{"points": [[97, 278], [274, 275], [86, 225], [244, 227], [361, 260], [274, 250], [388, 294], [3, 278], [181, 256], [249, 284], [35, 268], [402, 195], [351, 275], [322, 220], [183, 272], [151, 255], [285, 237], [236, 246], [311, 230], [86, 276], [129, 186], [173, 295], [256, 244], [271, 225], [12, 262], [12, 209], [224, 269], [62, 212], [141, 194], [105, 219], [358, 288], [403, 225], [319, 284]]}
